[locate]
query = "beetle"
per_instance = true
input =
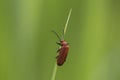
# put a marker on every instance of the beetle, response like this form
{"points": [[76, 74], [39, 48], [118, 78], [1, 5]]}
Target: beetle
{"points": [[62, 51]]}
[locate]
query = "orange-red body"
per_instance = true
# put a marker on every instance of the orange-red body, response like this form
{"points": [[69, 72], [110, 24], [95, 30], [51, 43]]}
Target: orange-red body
{"points": [[63, 51]]}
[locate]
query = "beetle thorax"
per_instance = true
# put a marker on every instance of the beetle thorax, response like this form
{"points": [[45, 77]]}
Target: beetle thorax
{"points": [[63, 43]]}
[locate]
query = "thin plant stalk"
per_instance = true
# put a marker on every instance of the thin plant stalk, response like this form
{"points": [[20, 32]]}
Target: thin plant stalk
{"points": [[64, 31], [54, 72], [65, 28]]}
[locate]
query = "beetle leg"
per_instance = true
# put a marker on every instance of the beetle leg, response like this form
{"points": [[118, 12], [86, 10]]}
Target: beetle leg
{"points": [[58, 43], [68, 43], [56, 57], [58, 50]]}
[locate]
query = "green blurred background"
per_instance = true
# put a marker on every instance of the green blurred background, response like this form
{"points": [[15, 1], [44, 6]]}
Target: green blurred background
{"points": [[28, 47]]}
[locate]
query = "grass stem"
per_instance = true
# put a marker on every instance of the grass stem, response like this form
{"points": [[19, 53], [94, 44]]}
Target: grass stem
{"points": [[54, 72], [65, 28], [64, 31]]}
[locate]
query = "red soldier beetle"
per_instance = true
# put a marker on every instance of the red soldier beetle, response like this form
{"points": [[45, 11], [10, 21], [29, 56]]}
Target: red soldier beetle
{"points": [[63, 51]]}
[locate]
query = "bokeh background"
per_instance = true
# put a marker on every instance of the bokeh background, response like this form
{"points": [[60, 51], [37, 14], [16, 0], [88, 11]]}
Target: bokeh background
{"points": [[28, 47]]}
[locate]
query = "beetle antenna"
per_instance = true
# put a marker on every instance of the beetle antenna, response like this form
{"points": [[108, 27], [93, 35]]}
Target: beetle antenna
{"points": [[56, 35]]}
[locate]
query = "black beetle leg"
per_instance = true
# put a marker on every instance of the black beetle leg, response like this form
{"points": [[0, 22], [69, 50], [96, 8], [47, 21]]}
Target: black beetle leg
{"points": [[58, 43], [58, 50]]}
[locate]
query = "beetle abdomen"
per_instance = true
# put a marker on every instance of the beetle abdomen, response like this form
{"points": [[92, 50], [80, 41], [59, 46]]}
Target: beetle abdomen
{"points": [[62, 55]]}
